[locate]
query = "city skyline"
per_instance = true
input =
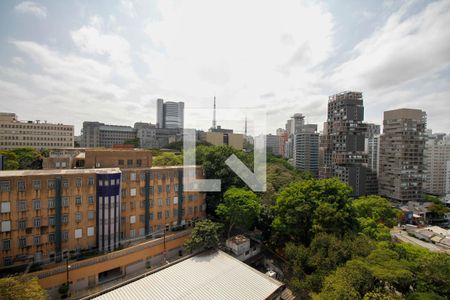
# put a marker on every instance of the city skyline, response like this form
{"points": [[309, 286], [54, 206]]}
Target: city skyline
{"points": [[118, 59]]}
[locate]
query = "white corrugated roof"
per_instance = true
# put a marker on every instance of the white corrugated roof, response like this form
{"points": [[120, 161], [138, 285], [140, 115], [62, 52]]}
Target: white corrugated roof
{"points": [[215, 275]]}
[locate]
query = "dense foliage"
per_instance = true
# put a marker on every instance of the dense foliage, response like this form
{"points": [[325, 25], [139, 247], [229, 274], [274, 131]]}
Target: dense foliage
{"points": [[167, 159], [312, 206], [23, 287], [206, 234], [23, 158], [240, 209]]}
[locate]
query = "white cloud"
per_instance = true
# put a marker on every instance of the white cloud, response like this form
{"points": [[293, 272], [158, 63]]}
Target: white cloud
{"points": [[90, 40], [33, 8], [405, 48]]}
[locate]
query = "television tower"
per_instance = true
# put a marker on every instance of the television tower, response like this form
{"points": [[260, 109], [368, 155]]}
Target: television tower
{"points": [[214, 115]]}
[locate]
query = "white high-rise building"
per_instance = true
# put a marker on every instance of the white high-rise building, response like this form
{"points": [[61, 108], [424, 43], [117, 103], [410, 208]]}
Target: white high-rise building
{"points": [[169, 114], [436, 156]]}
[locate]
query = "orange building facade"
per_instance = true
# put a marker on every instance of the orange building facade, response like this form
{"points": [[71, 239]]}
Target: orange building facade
{"points": [[48, 215]]}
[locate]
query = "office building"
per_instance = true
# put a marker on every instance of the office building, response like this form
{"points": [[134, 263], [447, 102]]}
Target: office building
{"points": [[402, 144], [447, 183], [220, 136], [33, 134], [273, 144], [342, 144], [96, 134], [436, 155], [169, 114], [152, 137], [306, 149], [47, 214]]}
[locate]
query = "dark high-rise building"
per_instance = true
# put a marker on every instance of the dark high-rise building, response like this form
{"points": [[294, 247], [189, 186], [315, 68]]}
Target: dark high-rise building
{"points": [[402, 144], [169, 114], [342, 152]]}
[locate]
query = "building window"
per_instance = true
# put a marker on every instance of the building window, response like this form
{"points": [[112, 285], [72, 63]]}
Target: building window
{"points": [[90, 231], [175, 200], [78, 233], [124, 207], [133, 192], [130, 162], [36, 184], [51, 184], [190, 198], [159, 176], [65, 183], [151, 190], [90, 215], [22, 242], [159, 215], [21, 186], [7, 261], [5, 186], [168, 201], [139, 162], [167, 213], [132, 219], [152, 203], [51, 238], [159, 189], [65, 236], [5, 207], [6, 245], [151, 216], [37, 222], [22, 224], [78, 182], [159, 202], [141, 218], [91, 181], [51, 221], [190, 210], [90, 200], [124, 192], [21, 205], [78, 200], [51, 203], [78, 216], [65, 201], [36, 204], [37, 240], [65, 219], [175, 212], [120, 162], [133, 176], [175, 188], [168, 188]]}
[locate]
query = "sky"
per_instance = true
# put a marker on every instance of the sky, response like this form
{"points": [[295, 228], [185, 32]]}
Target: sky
{"points": [[108, 61]]}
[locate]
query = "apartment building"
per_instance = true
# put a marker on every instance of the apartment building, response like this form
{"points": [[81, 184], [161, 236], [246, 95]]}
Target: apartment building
{"points": [[46, 215], [306, 149], [220, 136], [342, 144], [436, 155], [34, 134], [401, 168]]}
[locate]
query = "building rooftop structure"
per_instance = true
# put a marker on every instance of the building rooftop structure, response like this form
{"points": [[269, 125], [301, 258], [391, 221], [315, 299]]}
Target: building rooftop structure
{"points": [[211, 275]]}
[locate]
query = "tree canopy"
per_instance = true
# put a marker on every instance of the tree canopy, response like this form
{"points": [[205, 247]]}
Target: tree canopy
{"points": [[240, 209], [206, 234], [22, 287], [23, 158], [311, 206], [167, 159]]}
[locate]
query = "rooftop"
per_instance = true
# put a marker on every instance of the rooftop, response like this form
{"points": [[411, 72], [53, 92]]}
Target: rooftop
{"points": [[212, 275], [57, 172]]}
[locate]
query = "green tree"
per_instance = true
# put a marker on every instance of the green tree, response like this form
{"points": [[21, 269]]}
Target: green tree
{"points": [[168, 159], [376, 208], [135, 142], [206, 234], [240, 209], [10, 159], [23, 287], [213, 158], [312, 206]]}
